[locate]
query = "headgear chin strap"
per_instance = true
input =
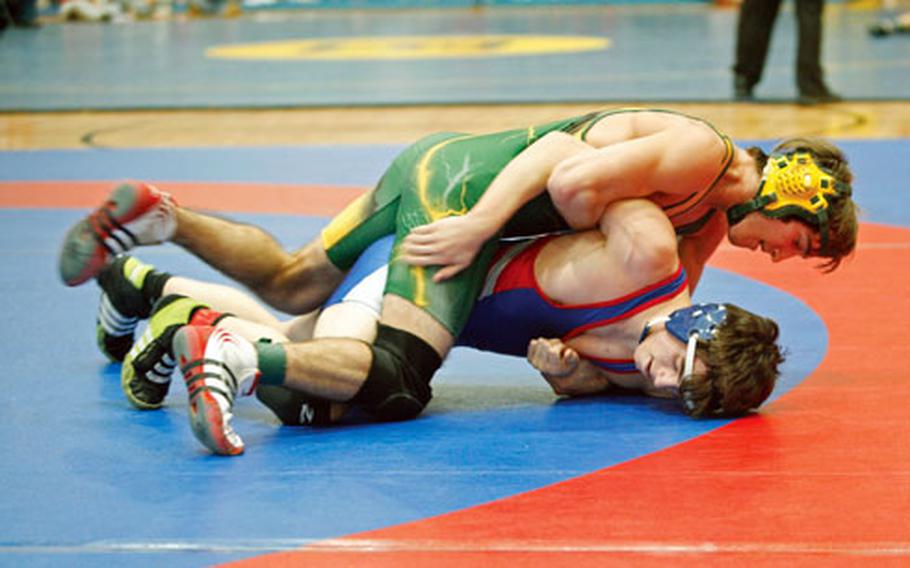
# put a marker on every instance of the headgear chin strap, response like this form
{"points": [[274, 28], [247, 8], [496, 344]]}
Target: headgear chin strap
{"points": [[793, 185]]}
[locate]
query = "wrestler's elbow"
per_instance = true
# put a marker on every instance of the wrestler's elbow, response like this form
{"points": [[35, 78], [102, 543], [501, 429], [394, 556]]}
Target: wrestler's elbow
{"points": [[575, 388], [576, 383], [566, 182], [575, 200], [660, 256], [560, 387]]}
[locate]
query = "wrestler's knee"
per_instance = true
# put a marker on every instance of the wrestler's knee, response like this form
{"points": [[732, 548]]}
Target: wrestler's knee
{"points": [[302, 283], [398, 384]]}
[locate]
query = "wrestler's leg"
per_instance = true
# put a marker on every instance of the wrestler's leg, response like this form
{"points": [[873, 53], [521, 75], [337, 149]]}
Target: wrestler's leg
{"points": [[148, 363], [336, 368], [130, 289], [224, 299], [145, 374], [140, 214], [298, 283], [136, 214], [352, 311], [390, 379], [346, 319], [294, 283]]}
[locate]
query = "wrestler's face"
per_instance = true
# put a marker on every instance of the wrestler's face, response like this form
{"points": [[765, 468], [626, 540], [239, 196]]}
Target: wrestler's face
{"points": [[778, 238], [660, 359]]}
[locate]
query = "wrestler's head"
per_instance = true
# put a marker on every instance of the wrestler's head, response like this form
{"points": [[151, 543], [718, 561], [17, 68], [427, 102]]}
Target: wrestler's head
{"points": [[719, 359], [803, 206]]}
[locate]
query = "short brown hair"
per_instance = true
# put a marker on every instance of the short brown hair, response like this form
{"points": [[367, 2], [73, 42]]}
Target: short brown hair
{"points": [[843, 226], [742, 362]]}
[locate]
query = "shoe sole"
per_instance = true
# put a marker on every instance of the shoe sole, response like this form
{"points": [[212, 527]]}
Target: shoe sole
{"points": [[83, 254], [121, 344], [206, 419], [127, 374]]}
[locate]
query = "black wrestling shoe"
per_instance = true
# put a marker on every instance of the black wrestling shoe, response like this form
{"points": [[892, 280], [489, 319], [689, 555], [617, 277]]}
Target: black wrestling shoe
{"points": [[121, 305], [147, 368]]}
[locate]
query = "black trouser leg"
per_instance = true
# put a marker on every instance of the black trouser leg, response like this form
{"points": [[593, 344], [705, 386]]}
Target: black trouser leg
{"points": [[756, 21], [809, 77]]}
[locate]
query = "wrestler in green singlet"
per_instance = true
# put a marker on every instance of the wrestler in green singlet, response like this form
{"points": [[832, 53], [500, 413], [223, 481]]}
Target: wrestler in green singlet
{"points": [[442, 175]]}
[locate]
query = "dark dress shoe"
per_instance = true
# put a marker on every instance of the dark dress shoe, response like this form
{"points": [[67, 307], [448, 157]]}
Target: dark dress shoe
{"points": [[742, 89], [27, 24], [823, 96]]}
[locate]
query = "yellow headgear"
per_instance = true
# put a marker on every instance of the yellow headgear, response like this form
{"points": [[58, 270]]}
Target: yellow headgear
{"points": [[793, 185]]}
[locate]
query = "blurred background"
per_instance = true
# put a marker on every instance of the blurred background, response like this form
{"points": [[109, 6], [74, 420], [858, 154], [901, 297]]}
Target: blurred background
{"points": [[435, 65]]}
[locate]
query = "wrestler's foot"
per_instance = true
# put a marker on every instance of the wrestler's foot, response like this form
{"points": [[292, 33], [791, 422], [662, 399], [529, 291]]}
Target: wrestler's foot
{"points": [[134, 214], [121, 306], [216, 365], [146, 373]]}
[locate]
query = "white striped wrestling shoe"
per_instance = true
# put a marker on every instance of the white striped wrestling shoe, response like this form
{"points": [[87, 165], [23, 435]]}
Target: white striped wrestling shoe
{"points": [[216, 365]]}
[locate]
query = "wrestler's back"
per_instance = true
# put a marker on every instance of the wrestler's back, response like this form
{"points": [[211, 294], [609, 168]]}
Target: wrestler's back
{"points": [[685, 206]]}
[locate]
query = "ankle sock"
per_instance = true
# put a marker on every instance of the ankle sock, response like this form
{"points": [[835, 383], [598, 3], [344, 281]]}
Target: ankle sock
{"points": [[273, 362], [153, 285]]}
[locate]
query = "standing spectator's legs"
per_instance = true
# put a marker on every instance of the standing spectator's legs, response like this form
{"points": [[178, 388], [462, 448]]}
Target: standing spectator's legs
{"points": [[6, 18], [809, 74], [753, 35], [21, 13], [808, 55]]}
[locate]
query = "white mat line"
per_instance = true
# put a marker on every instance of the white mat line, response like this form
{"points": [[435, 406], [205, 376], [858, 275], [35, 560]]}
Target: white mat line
{"points": [[450, 546]]}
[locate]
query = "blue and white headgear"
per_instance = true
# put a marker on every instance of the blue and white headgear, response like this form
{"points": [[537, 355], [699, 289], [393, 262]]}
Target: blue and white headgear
{"points": [[698, 322]]}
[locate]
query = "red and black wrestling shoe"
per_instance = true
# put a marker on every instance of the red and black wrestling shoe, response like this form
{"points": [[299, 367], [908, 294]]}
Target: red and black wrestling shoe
{"points": [[133, 214]]}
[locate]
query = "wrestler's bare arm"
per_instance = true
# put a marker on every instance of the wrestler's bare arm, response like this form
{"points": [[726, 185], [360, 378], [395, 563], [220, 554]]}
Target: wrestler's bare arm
{"points": [[674, 161], [636, 236], [695, 250]]}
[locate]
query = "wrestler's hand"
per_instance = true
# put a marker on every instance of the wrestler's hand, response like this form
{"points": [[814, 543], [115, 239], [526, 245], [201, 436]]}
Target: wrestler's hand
{"points": [[552, 357], [450, 242]]}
